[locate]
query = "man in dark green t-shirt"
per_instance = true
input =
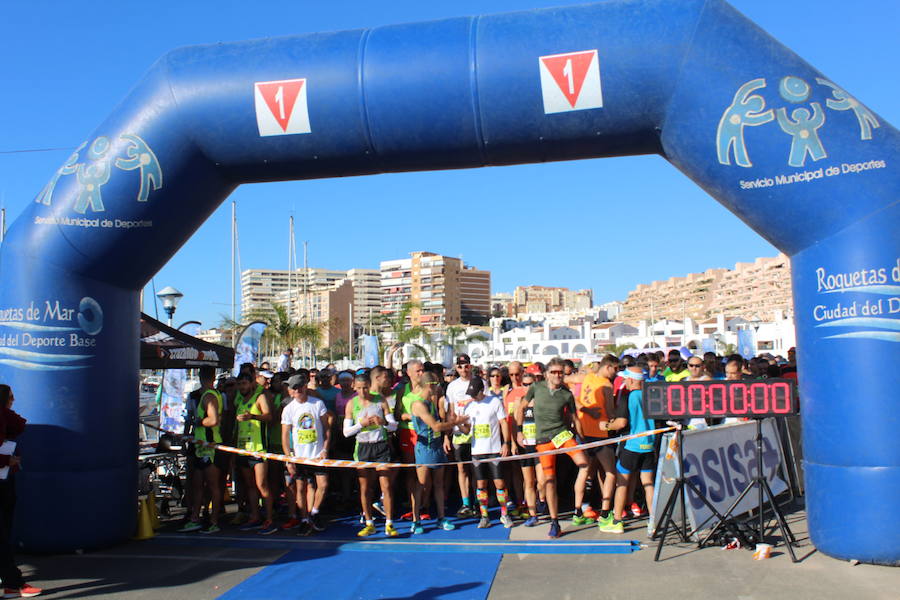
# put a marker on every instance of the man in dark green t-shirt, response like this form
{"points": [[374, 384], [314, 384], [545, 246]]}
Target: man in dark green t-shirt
{"points": [[554, 416]]}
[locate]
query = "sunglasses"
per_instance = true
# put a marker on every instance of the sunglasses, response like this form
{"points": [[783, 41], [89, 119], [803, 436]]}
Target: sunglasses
{"points": [[555, 372], [697, 365]]}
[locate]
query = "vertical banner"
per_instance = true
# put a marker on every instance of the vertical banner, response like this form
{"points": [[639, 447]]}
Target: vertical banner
{"points": [[370, 351], [446, 355], [247, 348], [171, 411], [746, 343]]}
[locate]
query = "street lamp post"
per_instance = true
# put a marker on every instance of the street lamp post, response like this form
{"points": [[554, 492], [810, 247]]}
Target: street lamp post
{"points": [[169, 297]]}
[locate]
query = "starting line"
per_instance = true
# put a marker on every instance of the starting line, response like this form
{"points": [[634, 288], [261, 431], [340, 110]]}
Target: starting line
{"points": [[406, 545]]}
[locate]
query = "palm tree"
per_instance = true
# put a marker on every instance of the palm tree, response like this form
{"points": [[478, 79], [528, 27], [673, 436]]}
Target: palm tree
{"points": [[403, 334], [456, 338], [282, 331]]}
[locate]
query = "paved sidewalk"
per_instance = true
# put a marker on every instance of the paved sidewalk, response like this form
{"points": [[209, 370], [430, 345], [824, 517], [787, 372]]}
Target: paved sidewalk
{"points": [[162, 569]]}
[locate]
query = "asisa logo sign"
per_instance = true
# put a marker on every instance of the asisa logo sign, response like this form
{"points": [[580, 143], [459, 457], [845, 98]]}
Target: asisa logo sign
{"points": [[92, 166], [798, 118]]}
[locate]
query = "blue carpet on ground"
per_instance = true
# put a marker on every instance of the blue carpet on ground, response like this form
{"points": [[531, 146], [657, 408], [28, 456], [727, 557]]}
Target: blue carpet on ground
{"points": [[348, 574]]}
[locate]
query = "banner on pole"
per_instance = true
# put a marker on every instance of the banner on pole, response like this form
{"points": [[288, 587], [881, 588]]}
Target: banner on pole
{"points": [[247, 348]]}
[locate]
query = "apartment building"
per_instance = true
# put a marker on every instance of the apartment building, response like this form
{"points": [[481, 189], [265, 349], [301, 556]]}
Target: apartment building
{"points": [[540, 299], [748, 290], [444, 290], [325, 303], [261, 287]]}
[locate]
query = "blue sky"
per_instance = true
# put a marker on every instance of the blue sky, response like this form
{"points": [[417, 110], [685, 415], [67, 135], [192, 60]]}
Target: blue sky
{"points": [[65, 66]]}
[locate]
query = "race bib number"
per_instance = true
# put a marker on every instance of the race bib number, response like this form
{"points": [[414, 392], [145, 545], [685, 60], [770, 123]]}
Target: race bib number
{"points": [[562, 437], [462, 438], [529, 432], [483, 431], [243, 441], [306, 436]]}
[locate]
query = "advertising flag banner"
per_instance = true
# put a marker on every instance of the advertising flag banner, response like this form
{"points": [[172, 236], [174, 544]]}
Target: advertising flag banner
{"points": [[746, 343], [370, 351], [247, 348]]}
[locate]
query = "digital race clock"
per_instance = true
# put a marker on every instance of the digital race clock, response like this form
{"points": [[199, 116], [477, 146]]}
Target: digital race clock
{"points": [[720, 398]]}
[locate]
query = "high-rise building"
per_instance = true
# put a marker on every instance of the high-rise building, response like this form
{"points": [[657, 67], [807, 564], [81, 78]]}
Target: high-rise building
{"points": [[327, 304], [749, 290], [260, 288], [445, 291], [540, 299], [502, 305]]}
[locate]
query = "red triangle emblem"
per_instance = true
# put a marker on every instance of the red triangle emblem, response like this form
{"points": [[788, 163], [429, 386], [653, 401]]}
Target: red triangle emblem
{"points": [[569, 72], [280, 97]]}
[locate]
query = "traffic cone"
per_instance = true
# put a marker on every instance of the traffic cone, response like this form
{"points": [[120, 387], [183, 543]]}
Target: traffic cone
{"points": [[144, 526], [154, 515]]}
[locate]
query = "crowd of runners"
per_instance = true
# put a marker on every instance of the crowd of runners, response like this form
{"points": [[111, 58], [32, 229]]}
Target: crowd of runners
{"points": [[426, 416]]}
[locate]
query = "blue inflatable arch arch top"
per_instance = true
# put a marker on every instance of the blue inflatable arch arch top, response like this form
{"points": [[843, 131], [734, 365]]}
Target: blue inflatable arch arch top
{"points": [[795, 156]]}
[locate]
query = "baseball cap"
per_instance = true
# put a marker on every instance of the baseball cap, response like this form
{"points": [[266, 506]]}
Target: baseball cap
{"points": [[476, 386], [297, 381], [534, 369], [463, 359], [267, 374]]}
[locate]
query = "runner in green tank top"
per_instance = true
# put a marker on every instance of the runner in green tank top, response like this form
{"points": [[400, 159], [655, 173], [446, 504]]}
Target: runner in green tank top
{"points": [[207, 474], [254, 412], [369, 419]]}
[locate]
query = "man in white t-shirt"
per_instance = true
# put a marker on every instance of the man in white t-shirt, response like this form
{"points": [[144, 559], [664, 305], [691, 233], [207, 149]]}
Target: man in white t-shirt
{"points": [[490, 439], [306, 430], [462, 442]]}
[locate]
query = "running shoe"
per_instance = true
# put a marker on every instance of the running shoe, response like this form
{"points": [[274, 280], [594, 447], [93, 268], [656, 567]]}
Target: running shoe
{"points": [[484, 523], [555, 531], [390, 531], [465, 512], [379, 508], [591, 514], [292, 523], [317, 522], [305, 529], [191, 526], [579, 520], [26, 591], [446, 525], [406, 516], [531, 522], [424, 516], [366, 531], [507, 521], [651, 528], [416, 528], [211, 528], [612, 526], [268, 528], [251, 526], [624, 515], [636, 510]]}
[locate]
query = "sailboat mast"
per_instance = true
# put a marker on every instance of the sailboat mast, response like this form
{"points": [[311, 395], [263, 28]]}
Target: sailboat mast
{"points": [[233, 303]]}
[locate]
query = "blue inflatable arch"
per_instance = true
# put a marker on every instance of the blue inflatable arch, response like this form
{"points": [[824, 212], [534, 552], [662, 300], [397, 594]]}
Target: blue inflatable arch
{"points": [[795, 156]]}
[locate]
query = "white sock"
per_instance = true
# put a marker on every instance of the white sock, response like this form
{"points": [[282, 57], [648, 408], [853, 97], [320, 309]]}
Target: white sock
{"points": [[314, 511]]}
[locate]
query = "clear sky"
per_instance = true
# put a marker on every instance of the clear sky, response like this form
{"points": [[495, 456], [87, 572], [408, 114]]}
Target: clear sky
{"points": [[65, 66]]}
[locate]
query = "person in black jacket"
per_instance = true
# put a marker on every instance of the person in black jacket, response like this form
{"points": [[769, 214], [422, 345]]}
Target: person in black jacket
{"points": [[11, 426]]}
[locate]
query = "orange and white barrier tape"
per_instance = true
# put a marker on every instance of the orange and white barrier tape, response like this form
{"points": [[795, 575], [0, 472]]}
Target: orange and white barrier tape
{"points": [[357, 464]]}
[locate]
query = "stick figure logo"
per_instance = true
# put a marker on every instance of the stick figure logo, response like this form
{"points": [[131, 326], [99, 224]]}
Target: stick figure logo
{"points": [[801, 123]]}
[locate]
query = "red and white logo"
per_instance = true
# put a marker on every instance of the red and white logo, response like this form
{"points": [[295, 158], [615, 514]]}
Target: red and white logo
{"points": [[281, 107], [570, 81]]}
